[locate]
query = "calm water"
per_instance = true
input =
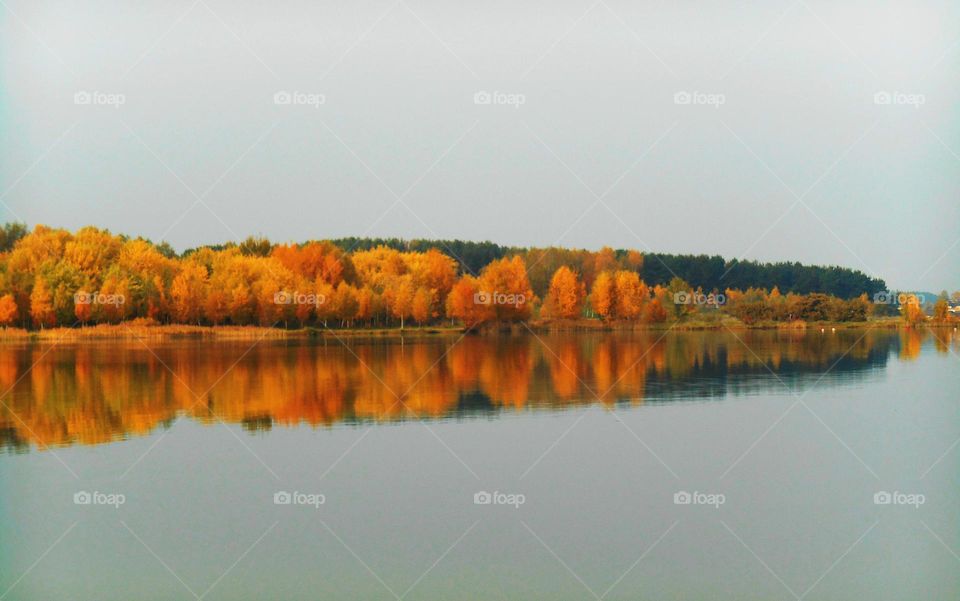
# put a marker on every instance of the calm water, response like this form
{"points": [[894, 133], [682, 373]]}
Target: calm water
{"points": [[590, 441]]}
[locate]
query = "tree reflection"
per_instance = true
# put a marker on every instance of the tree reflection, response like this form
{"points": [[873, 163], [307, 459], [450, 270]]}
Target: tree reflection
{"points": [[91, 394]]}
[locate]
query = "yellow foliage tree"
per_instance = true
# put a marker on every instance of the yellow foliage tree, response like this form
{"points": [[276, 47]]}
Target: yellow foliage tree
{"points": [[911, 310], [631, 295], [422, 307], [188, 292], [398, 296], [41, 304]]}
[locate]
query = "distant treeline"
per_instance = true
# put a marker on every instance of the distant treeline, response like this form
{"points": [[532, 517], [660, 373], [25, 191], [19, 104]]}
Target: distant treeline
{"points": [[704, 271]]}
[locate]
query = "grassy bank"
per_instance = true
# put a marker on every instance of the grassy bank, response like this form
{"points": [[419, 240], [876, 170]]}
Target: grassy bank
{"points": [[135, 330], [722, 322]]}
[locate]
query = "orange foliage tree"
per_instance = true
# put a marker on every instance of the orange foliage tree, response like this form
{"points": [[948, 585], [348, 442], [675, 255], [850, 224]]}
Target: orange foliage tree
{"points": [[505, 288], [565, 295], [631, 295], [8, 310], [422, 306], [464, 302], [603, 295]]}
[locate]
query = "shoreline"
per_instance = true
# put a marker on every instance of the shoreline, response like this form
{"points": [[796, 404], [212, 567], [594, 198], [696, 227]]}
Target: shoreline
{"points": [[134, 331]]}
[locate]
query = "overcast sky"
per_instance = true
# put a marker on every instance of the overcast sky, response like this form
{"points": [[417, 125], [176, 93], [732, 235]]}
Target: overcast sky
{"points": [[781, 149]]}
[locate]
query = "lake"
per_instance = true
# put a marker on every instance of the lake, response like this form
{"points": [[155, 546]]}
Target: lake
{"points": [[655, 465]]}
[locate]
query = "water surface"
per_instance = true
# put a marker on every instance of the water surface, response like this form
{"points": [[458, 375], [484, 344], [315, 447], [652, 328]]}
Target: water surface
{"points": [[795, 431]]}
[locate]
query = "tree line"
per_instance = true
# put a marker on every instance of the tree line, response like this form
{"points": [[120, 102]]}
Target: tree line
{"points": [[53, 277], [708, 272]]}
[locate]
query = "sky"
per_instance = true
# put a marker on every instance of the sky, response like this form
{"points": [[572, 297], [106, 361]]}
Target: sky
{"points": [[801, 130]]}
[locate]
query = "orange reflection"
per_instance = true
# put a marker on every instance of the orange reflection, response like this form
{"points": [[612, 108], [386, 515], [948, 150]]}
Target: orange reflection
{"points": [[95, 393]]}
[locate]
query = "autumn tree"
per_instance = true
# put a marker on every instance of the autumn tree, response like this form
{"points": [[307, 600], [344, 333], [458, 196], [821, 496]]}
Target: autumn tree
{"points": [[462, 302], [941, 309], [378, 266], [432, 270], [274, 303], [324, 293], [313, 260], [366, 304], [603, 295], [422, 306], [256, 246], [114, 294], [304, 309], [82, 309], [631, 294], [505, 288], [605, 260], [399, 297], [564, 298], [654, 312], [41, 304], [92, 250], [681, 296], [345, 304], [63, 280], [150, 273], [911, 310], [8, 310], [188, 292], [633, 261], [217, 306]]}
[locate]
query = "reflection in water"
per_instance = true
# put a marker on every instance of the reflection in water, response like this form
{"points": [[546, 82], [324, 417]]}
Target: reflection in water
{"points": [[91, 393]]}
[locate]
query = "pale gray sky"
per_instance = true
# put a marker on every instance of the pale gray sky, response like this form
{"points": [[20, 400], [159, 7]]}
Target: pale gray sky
{"points": [[783, 152]]}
